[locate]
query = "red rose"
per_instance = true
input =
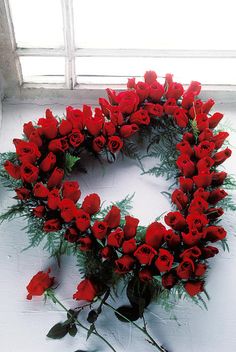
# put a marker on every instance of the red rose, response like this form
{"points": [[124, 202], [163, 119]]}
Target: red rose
{"points": [[186, 184], [140, 117], [200, 269], [48, 163], [145, 254], [128, 101], [40, 191], [48, 127], [82, 220], [99, 229], [221, 156], [130, 227], [180, 117], [129, 246], [215, 119], [28, 152], [36, 138], [156, 91], [22, 193], [170, 106], [128, 130], [71, 235], [39, 284], [202, 121], [85, 243], [113, 217], [192, 253], [219, 139], [109, 129], [203, 179], [185, 164], [215, 233], [39, 211], [114, 144], [12, 170], [154, 234], [58, 145], [218, 178], [179, 199], [145, 275], [203, 149], [209, 252], [52, 225], [194, 87], [115, 238], [205, 164], [172, 239], [185, 269], [70, 190], [76, 138], [28, 128], [192, 238], [29, 173], [65, 127], [164, 261], [54, 199], [206, 107], [198, 204], [175, 90], [216, 195], [124, 264], [56, 178], [68, 210], [185, 148], [86, 291], [150, 77], [175, 220], [142, 90], [98, 144], [116, 116], [197, 221], [91, 203], [154, 109], [194, 287], [169, 280]]}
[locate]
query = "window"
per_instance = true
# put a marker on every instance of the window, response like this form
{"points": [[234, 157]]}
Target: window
{"points": [[76, 43]]}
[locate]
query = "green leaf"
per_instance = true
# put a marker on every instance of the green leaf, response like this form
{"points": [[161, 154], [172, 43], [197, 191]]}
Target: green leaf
{"points": [[70, 162], [73, 330], [58, 331], [91, 329], [127, 313]]}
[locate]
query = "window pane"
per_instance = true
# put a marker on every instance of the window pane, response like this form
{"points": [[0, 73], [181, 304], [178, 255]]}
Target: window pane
{"points": [[43, 69], [155, 24], [37, 24], [103, 69]]}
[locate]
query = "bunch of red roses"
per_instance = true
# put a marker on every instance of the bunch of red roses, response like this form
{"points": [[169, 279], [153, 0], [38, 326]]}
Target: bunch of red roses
{"points": [[177, 254]]}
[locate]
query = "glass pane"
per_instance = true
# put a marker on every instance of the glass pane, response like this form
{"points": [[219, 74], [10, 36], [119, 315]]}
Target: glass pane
{"points": [[155, 24], [104, 69], [43, 69], [37, 24]]}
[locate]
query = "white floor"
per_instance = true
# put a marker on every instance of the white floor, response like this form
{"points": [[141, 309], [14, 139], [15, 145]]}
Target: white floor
{"points": [[24, 324]]}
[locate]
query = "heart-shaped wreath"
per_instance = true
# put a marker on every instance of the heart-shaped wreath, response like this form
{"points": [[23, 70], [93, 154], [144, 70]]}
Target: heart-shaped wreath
{"points": [[152, 262]]}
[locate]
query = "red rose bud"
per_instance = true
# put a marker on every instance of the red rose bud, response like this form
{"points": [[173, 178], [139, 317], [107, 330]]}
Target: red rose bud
{"points": [[130, 226], [200, 192], [131, 83], [206, 107], [54, 199], [215, 233], [180, 117], [154, 110], [71, 235], [204, 179], [129, 246], [12, 170], [192, 238], [175, 220], [113, 217], [39, 211], [86, 291], [40, 191], [202, 121], [106, 252], [58, 145], [170, 106], [164, 261], [128, 102], [140, 117], [145, 275], [206, 135], [115, 238], [145, 254], [175, 90], [221, 156], [219, 139], [109, 129], [68, 210], [194, 287], [142, 90], [39, 284], [192, 253], [91, 203], [28, 152], [186, 184], [22, 193], [218, 178], [128, 130], [204, 149], [99, 229], [209, 252], [215, 119], [216, 195], [187, 101], [29, 173], [155, 234], [70, 190], [150, 77], [156, 91], [98, 144], [48, 163], [82, 220], [200, 269], [56, 178], [114, 144], [185, 148], [172, 239], [52, 225], [124, 264], [76, 138], [196, 108], [194, 87], [185, 269], [169, 280], [36, 138], [185, 164], [28, 128], [85, 243], [197, 221], [65, 127], [205, 164], [179, 199], [198, 204], [49, 128]]}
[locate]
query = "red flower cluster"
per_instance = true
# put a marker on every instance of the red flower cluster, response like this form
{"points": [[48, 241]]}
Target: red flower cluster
{"points": [[176, 254]]}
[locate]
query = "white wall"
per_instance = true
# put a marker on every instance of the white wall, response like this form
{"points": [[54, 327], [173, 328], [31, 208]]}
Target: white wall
{"points": [[24, 324]]}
